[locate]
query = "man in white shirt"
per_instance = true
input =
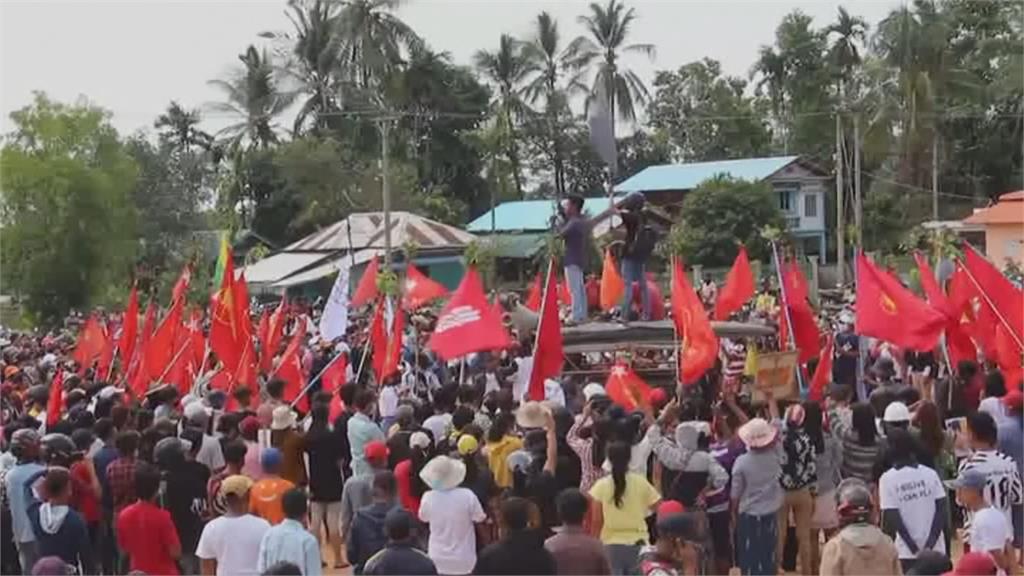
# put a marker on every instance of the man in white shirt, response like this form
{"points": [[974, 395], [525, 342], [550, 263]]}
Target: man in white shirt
{"points": [[1003, 488], [989, 531], [913, 502], [230, 544]]}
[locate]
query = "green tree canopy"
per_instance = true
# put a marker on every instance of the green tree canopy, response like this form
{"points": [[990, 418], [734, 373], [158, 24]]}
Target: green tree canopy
{"points": [[67, 221], [721, 213]]}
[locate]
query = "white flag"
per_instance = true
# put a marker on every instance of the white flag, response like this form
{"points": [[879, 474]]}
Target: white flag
{"points": [[334, 321]]}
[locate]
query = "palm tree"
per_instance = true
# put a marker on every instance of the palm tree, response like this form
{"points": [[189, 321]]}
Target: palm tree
{"points": [[773, 70], [608, 29], [374, 39], [844, 53], [180, 126], [252, 97], [313, 59], [506, 69]]}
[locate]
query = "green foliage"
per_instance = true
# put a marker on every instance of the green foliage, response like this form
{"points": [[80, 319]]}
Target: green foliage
{"points": [[481, 254], [721, 213], [68, 229], [707, 115]]}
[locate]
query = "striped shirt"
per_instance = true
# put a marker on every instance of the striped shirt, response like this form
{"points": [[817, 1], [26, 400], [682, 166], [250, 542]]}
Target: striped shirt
{"points": [[858, 459], [1002, 479]]}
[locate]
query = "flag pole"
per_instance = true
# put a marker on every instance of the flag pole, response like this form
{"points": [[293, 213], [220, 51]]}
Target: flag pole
{"points": [[540, 316], [785, 308], [1002, 319], [675, 338], [173, 360], [314, 379]]}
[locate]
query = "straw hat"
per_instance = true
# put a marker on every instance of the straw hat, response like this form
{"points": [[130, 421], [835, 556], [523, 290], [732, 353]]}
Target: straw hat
{"points": [[443, 473], [532, 415], [757, 433], [283, 418]]}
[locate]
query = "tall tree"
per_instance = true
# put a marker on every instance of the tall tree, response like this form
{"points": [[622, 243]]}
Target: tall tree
{"points": [[849, 33], [506, 69], [603, 48], [374, 40], [707, 115], [553, 79], [66, 218], [181, 127], [252, 96]]}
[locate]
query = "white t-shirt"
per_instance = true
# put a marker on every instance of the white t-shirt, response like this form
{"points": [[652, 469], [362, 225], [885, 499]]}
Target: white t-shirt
{"points": [[989, 532], [913, 491], [234, 542], [1003, 488], [438, 424], [451, 515], [995, 408], [387, 404]]}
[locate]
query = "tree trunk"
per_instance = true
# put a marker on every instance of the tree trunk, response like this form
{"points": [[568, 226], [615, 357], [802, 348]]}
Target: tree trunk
{"points": [[513, 154]]}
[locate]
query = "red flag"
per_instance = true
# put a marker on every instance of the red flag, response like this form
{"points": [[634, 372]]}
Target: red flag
{"points": [[91, 341], [181, 374], [181, 286], [468, 323], [290, 368], [333, 379], [655, 298], [55, 403], [547, 352], [227, 334], [366, 290], [890, 312], [275, 333], [999, 292], [823, 372], [129, 329], [241, 289], [419, 289], [612, 285], [107, 355], [739, 287], [627, 389], [160, 349], [195, 332], [699, 349], [378, 338], [805, 327], [564, 293], [148, 322], [533, 296], [263, 330], [930, 286]]}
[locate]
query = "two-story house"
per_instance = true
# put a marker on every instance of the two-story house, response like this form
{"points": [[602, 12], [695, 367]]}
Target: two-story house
{"points": [[799, 185]]}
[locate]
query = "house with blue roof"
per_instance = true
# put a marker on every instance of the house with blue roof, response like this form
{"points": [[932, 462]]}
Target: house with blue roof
{"points": [[799, 187]]}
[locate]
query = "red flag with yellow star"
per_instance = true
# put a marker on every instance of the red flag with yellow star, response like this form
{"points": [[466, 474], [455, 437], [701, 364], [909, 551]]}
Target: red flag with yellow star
{"points": [[889, 311], [625, 388], [418, 289]]}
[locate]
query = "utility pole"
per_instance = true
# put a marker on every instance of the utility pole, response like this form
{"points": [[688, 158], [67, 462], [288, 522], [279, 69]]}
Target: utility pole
{"points": [[858, 202], [840, 223], [385, 126], [935, 177]]}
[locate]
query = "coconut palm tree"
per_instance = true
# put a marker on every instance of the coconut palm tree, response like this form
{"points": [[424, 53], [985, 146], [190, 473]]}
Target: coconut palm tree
{"points": [[602, 49], [849, 32], [312, 60], [506, 69], [180, 126], [771, 66], [553, 79], [374, 40], [251, 96]]}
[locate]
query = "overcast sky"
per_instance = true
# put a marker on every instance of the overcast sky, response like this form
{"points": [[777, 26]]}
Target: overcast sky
{"points": [[134, 56]]}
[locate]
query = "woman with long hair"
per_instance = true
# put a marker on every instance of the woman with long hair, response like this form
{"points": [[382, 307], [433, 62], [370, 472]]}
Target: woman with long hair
{"points": [[325, 480], [828, 459], [407, 473], [625, 500], [588, 438], [500, 443], [938, 443], [861, 444]]}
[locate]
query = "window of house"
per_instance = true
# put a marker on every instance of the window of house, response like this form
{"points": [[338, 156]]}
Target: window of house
{"points": [[811, 205], [784, 196]]}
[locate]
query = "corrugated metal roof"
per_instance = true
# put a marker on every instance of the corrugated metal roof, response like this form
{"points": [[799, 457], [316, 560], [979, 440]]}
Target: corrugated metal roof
{"points": [[689, 176], [528, 215], [367, 230], [280, 265], [330, 266]]}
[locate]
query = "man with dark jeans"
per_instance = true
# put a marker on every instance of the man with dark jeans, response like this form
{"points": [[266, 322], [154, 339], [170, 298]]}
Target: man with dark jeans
{"points": [[638, 246]]}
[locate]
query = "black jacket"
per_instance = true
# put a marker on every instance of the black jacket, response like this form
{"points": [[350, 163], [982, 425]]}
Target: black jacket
{"points": [[517, 553], [367, 536], [400, 558]]}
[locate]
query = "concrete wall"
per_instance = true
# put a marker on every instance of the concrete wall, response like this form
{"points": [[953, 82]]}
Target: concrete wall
{"points": [[1004, 241]]}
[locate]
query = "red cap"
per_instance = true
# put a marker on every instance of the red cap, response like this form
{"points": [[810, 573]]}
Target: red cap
{"points": [[1014, 400], [249, 425], [974, 564], [376, 451], [657, 397], [670, 507]]}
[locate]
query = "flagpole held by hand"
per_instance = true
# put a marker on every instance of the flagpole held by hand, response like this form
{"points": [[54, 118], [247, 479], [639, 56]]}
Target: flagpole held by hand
{"points": [[316, 378]]}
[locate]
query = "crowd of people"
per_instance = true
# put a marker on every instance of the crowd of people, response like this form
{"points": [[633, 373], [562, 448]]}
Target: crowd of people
{"points": [[432, 473]]}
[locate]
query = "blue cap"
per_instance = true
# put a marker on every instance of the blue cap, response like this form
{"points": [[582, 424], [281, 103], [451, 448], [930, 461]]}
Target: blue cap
{"points": [[971, 478], [270, 459]]}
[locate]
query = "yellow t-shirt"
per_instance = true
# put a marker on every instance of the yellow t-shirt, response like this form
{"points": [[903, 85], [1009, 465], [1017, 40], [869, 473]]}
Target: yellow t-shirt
{"points": [[625, 524]]}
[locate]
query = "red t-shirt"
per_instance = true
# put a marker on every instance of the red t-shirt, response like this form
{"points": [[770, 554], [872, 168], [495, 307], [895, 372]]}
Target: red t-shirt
{"points": [[146, 533], [83, 498], [403, 481]]}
